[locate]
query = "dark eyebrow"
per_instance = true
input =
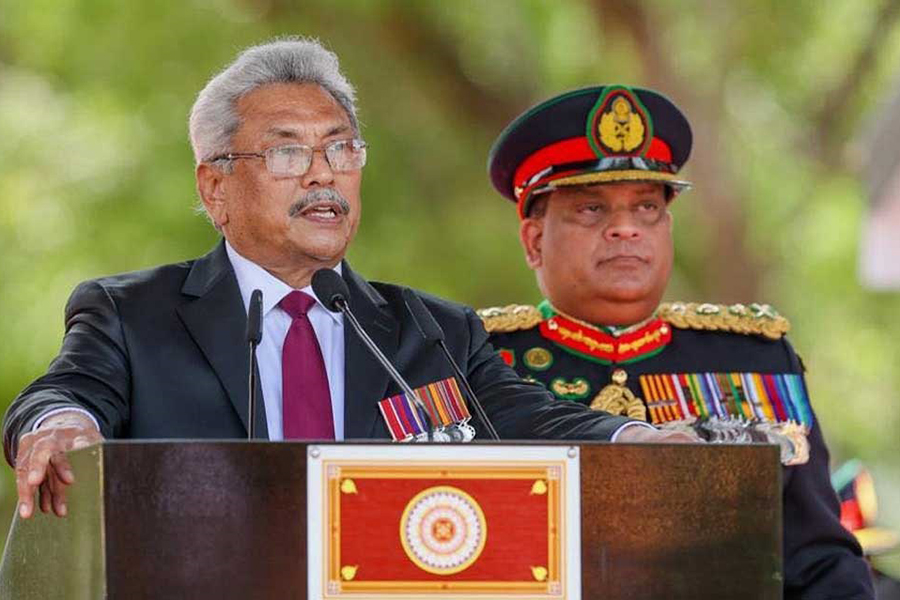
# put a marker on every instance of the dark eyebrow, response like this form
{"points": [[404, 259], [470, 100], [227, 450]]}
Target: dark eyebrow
{"points": [[293, 133], [283, 132], [337, 129]]}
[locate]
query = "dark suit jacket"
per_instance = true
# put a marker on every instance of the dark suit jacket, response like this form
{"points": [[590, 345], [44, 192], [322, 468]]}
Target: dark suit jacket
{"points": [[161, 353]]}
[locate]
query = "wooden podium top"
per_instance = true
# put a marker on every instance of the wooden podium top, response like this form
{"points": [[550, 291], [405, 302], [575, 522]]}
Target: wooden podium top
{"points": [[163, 519]]}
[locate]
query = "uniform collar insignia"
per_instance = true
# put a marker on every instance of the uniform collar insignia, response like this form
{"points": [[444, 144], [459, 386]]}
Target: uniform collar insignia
{"points": [[600, 344]]}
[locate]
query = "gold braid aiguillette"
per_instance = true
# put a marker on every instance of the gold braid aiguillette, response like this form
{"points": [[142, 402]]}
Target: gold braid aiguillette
{"points": [[617, 399]]}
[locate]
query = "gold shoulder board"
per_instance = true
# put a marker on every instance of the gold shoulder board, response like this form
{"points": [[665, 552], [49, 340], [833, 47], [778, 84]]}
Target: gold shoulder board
{"points": [[750, 319], [513, 317]]}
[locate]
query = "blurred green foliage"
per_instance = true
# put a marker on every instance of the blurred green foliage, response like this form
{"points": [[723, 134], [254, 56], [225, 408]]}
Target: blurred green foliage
{"points": [[96, 173]]}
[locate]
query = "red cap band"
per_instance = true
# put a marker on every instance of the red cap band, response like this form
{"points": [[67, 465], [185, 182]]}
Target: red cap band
{"points": [[576, 149]]}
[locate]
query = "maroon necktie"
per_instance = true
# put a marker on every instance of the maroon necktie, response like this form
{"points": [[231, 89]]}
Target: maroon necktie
{"points": [[305, 398]]}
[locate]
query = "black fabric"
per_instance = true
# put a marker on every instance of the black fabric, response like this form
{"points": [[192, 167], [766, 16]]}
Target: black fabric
{"points": [[161, 354], [886, 587], [822, 560]]}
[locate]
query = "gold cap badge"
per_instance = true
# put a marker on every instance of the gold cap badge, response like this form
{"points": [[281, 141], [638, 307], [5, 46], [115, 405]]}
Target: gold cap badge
{"points": [[621, 130], [619, 125]]}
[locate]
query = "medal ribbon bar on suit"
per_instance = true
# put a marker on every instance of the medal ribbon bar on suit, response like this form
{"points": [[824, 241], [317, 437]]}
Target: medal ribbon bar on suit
{"points": [[454, 398], [402, 418], [595, 344], [770, 397], [447, 398], [443, 400]]}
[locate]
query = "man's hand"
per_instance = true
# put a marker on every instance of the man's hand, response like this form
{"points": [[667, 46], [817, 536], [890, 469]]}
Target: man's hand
{"points": [[648, 435], [41, 462]]}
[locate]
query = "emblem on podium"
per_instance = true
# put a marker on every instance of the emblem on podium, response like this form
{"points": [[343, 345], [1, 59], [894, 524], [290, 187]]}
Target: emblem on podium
{"points": [[443, 530], [435, 521]]}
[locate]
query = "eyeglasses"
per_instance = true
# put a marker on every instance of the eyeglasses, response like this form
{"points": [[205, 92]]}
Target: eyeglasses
{"points": [[295, 159]]}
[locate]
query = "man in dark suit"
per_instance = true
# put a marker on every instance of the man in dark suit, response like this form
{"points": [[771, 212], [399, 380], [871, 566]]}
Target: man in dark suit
{"points": [[593, 172], [161, 353]]}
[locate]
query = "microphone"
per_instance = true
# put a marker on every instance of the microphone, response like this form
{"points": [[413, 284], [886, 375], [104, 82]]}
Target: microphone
{"points": [[254, 318], [332, 291], [433, 334], [254, 337]]}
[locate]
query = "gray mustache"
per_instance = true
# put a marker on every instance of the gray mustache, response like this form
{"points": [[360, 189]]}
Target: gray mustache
{"points": [[320, 195]]}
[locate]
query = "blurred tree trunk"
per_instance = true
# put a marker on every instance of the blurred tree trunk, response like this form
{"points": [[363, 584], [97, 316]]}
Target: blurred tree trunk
{"points": [[839, 114], [407, 34]]}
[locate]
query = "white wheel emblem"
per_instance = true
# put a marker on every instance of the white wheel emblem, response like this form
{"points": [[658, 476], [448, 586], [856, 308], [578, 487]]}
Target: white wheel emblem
{"points": [[443, 530]]}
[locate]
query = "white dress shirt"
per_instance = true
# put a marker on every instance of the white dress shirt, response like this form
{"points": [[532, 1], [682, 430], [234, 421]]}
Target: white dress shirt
{"points": [[329, 328]]}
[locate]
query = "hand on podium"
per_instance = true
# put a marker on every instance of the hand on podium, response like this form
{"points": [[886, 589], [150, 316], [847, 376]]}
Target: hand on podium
{"points": [[41, 462], [651, 435]]}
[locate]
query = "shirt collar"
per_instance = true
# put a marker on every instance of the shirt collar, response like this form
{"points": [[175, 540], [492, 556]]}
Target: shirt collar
{"points": [[250, 276]]}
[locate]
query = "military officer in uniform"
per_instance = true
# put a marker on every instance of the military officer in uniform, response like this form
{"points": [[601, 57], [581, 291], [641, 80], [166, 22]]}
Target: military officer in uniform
{"points": [[592, 173]]}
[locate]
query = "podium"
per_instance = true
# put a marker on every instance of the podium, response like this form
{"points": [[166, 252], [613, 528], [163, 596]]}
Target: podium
{"points": [[228, 519]]}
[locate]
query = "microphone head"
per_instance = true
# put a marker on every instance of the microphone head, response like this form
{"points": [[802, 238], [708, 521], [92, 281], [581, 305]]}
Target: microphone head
{"points": [[422, 317], [330, 288], [254, 318]]}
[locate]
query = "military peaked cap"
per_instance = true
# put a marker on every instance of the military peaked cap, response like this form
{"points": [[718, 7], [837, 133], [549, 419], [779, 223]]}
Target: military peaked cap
{"points": [[597, 134]]}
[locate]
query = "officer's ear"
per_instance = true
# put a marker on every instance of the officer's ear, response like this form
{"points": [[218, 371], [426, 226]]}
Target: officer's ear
{"points": [[531, 233]]}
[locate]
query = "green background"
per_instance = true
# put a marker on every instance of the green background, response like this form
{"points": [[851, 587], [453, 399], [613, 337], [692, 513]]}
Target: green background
{"points": [[96, 173]]}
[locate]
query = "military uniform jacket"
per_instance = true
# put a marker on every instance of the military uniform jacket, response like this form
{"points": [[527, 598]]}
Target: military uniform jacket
{"points": [[702, 363]]}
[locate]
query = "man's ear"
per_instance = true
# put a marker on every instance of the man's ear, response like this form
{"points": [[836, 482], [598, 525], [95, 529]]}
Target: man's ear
{"points": [[210, 182], [531, 233]]}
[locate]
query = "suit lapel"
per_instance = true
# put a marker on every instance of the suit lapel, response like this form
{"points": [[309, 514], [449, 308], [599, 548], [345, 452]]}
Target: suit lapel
{"points": [[365, 380], [215, 318]]}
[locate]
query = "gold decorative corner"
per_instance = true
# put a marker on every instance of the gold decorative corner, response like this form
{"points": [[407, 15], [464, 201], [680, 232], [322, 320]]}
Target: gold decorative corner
{"points": [[348, 486], [348, 572], [539, 488], [539, 573]]}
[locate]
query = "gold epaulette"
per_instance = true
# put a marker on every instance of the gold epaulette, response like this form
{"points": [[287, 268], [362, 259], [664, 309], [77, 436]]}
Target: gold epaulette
{"points": [[513, 317], [755, 319]]}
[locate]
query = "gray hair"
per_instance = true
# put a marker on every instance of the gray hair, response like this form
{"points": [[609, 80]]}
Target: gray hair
{"points": [[214, 118]]}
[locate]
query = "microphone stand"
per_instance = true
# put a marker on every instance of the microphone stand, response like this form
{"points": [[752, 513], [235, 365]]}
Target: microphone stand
{"points": [[341, 304], [476, 403], [251, 410], [432, 332]]}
